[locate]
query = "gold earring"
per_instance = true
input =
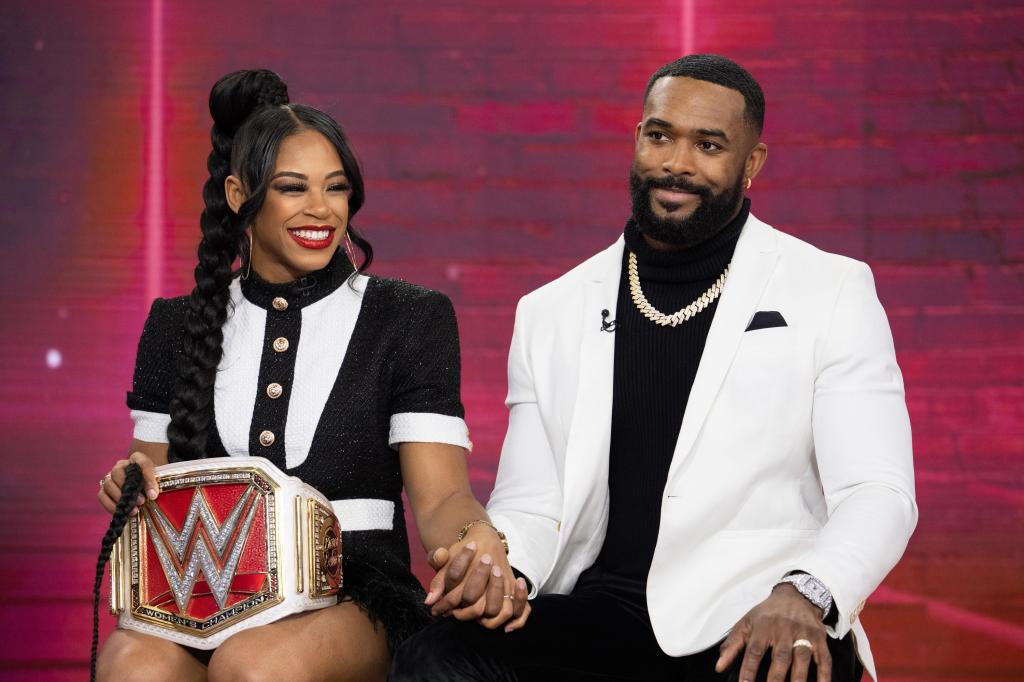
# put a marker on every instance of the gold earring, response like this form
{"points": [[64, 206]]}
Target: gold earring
{"points": [[349, 252], [248, 262]]}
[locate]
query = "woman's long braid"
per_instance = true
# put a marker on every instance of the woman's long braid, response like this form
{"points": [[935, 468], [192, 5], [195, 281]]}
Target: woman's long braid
{"points": [[130, 490], [191, 407]]}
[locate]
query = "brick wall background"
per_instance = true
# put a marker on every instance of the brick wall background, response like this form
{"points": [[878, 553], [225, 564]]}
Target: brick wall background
{"points": [[496, 139]]}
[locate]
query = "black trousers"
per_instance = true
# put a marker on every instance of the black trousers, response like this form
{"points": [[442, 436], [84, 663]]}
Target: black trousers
{"points": [[594, 633]]}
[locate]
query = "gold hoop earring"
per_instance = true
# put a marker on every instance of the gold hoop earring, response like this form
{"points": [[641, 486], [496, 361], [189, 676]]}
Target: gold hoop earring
{"points": [[350, 252], [248, 262]]}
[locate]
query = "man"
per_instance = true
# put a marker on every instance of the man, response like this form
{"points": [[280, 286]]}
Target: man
{"points": [[703, 494]]}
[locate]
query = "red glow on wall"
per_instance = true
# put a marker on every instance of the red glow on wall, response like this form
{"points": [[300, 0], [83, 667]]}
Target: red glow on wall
{"points": [[496, 140]]}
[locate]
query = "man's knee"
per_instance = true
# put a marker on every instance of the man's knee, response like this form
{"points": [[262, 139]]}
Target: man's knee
{"points": [[423, 655], [444, 650]]}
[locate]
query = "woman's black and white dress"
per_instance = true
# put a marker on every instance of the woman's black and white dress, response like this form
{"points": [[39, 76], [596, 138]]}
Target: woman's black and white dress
{"points": [[325, 376]]}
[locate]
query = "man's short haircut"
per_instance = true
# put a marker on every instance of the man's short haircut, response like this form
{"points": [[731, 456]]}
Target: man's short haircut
{"points": [[722, 71]]}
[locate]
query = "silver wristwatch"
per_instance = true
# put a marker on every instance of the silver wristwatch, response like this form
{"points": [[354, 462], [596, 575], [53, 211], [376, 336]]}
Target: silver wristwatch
{"points": [[812, 589]]}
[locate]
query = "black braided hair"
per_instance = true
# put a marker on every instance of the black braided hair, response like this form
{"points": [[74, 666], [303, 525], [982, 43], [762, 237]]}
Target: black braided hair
{"points": [[719, 70], [130, 490], [251, 117]]}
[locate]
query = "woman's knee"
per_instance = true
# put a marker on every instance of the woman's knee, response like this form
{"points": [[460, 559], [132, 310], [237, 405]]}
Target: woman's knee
{"points": [[235, 659], [135, 657], [243, 663], [252, 657]]}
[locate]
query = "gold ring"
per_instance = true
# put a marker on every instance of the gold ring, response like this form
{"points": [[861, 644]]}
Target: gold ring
{"points": [[103, 481], [508, 596], [803, 642]]}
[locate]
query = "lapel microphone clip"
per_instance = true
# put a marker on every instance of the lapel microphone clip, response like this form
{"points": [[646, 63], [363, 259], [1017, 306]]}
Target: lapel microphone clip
{"points": [[607, 326]]}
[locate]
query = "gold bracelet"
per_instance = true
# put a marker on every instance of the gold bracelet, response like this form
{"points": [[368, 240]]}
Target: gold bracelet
{"points": [[501, 536]]}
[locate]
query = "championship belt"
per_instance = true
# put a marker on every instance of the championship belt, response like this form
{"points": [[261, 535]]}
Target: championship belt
{"points": [[230, 543]]}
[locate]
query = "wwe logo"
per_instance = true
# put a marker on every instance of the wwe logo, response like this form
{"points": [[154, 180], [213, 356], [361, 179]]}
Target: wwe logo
{"points": [[219, 567]]}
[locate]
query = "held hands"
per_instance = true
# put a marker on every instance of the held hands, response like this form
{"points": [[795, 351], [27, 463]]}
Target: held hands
{"points": [[780, 621], [110, 486], [475, 582]]}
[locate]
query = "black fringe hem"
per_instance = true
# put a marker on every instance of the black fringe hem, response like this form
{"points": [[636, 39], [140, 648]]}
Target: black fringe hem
{"points": [[396, 603]]}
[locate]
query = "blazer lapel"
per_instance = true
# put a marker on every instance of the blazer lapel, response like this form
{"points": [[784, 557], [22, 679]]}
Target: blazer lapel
{"points": [[752, 265], [586, 465]]}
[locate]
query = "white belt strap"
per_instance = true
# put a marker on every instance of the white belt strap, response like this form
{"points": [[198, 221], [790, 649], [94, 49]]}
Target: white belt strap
{"points": [[364, 514]]}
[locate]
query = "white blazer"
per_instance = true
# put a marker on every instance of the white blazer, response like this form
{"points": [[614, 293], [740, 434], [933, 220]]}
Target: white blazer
{"points": [[794, 451]]}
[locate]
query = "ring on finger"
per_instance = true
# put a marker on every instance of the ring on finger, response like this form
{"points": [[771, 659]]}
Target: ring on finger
{"points": [[103, 481], [803, 642], [508, 596]]}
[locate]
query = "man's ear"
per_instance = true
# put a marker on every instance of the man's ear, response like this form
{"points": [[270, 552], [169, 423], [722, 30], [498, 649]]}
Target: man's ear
{"points": [[755, 161], [234, 192]]}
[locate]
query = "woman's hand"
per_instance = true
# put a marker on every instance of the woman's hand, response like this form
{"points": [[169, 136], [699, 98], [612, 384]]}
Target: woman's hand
{"points": [[110, 491], [474, 581]]}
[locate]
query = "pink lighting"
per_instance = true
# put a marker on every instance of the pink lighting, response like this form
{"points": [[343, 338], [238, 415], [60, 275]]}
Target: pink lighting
{"points": [[686, 26], [155, 171]]}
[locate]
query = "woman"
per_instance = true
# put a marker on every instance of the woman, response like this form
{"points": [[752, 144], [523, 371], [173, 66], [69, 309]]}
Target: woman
{"points": [[301, 359]]}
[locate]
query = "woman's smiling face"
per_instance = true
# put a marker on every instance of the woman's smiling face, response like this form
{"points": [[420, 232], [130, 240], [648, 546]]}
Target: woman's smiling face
{"points": [[305, 212]]}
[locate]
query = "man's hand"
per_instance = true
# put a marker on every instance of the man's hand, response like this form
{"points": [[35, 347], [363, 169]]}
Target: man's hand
{"points": [[471, 584], [776, 623]]}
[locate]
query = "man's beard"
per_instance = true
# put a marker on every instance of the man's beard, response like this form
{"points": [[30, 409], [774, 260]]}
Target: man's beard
{"points": [[711, 215]]}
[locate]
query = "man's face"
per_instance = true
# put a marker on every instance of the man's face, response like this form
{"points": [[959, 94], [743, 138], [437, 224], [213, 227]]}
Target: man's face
{"points": [[694, 153]]}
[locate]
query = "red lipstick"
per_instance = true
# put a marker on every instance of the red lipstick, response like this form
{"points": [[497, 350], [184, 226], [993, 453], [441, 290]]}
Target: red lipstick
{"points": [[313, 236]]}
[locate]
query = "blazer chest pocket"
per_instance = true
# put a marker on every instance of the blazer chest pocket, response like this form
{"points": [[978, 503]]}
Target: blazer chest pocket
{"points": [[769, 370], [766, 351]]}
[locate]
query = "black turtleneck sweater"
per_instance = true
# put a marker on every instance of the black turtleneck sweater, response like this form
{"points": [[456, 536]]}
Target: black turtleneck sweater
{"points": [[654, 371]]}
